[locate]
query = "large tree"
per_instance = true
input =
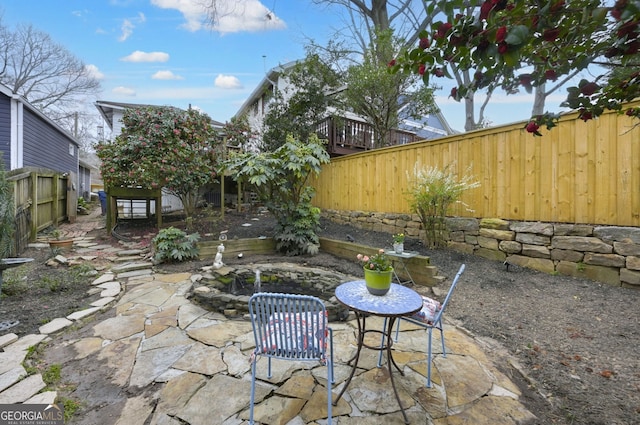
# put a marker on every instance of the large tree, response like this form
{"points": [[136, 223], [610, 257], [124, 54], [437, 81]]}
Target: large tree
{"points": [[518, 44], [50, 77], [44, 72], [377, 95], [407, 19], [163, 147]]}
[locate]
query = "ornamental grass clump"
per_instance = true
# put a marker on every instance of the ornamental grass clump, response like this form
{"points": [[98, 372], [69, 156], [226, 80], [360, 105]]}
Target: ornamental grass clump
{"points": [[378, 262], [431, 193]]}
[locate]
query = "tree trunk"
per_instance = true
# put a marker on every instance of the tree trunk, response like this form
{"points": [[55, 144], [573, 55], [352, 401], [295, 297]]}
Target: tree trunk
{"points": [[540, 96]]}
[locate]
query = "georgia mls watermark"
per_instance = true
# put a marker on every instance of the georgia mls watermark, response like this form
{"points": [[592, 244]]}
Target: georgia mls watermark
{"points": [[31, 414]]}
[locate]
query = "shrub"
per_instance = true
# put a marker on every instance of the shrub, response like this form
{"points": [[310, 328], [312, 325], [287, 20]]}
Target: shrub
{"points": [[280, 179], [173, 244]]}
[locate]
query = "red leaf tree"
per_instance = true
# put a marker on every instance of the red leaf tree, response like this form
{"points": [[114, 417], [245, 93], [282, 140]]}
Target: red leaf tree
{"points": [[514, 44], [163, 147]]}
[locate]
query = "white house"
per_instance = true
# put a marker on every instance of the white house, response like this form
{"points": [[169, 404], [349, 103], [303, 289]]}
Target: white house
{"points": [[257, 104]]}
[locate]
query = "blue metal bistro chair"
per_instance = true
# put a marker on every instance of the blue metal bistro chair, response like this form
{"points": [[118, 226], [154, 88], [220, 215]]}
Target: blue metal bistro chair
{"points": [[290, 327], [430, 318]]}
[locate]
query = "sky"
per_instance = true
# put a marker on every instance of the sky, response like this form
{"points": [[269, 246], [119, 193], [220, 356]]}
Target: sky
{"points": [[162, 52]]}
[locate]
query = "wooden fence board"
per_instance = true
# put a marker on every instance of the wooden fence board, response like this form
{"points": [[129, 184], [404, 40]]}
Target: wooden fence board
{"points": [[40, 201], [576, 173], [563, 175]]}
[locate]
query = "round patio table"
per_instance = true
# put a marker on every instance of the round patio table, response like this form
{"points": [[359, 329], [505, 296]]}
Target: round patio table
{"points": [[399, 301]]}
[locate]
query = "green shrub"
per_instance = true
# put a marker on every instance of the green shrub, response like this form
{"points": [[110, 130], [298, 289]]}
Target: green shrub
{"points": [[173, 244], [14, 282], [280, 179]]}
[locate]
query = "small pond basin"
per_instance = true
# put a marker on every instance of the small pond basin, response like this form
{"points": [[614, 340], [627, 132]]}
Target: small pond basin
{"points": [[227, 290]]}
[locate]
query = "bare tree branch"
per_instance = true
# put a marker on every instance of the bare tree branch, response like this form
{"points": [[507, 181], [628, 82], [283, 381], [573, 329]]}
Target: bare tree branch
{"points": [[44, 72], [50, 77]]}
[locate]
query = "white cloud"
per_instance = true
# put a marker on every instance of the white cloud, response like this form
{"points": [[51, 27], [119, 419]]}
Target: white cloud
{"points": [[140, 56], [128, 26], [192, 10], [247, 15], [80, 13], [94, 72], [227, 82], [166, 75], [127, 29], [232, 15], [124, 91]]}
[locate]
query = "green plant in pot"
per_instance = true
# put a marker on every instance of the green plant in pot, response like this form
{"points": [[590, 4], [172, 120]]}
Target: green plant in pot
{"points": [[398, 243], [378, 272], [58, 242]]}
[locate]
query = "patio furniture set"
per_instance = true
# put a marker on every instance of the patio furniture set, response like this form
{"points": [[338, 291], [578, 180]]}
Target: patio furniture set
{"points": [[295, 327]]}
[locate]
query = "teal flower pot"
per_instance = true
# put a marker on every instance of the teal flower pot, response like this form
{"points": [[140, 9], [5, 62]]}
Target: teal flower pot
{"points": [[378, 283]]}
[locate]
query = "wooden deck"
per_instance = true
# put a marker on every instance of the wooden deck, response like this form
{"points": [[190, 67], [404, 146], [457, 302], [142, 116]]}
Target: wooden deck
{"points": [[347, 136]]}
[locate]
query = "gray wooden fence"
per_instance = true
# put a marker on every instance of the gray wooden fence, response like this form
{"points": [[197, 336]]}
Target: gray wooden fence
{"points": [[40, 200]]}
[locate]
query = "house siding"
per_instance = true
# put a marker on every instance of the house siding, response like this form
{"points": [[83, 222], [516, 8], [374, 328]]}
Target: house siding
{"points": [[5, 130], [117, 123], [46, 146], [84, 183]]}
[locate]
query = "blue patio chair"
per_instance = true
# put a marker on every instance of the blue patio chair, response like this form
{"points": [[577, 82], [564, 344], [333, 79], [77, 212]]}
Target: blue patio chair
{"points": [[430, 318], [290, 327]]}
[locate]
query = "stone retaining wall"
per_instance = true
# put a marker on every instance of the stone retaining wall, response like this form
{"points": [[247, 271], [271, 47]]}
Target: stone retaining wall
{"points": [[609, 254]]}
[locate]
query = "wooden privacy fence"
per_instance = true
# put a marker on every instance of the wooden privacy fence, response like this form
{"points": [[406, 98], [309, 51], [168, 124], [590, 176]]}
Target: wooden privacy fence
{"points": [[578, 172], [40, 201]]}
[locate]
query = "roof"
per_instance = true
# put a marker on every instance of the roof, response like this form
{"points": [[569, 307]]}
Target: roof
{"points": [[269, 80], [9, 93], [107, 109]]}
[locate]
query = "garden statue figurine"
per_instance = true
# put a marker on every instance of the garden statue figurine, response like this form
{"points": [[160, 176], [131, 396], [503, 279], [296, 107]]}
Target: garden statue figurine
{"points": [[217, 262], [257, 284]]}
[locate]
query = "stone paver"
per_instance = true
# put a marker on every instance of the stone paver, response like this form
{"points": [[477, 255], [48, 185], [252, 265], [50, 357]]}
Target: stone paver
{"points": [[8, 339], [55, 325], [78, 315], [181, 364], [22, 390]]}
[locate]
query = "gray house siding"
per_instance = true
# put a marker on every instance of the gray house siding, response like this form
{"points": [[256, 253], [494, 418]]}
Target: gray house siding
{"points": [[46, 146], [5, 130]]}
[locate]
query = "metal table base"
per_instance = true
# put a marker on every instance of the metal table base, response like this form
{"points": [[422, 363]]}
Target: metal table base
{"points": [[386, 346]]}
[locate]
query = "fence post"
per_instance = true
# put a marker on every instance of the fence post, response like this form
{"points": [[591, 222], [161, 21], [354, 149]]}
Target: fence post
{"points": [[34, 206]]}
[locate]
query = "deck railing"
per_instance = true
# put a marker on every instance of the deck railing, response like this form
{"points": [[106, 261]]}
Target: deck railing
{"points": [[348, 136]]}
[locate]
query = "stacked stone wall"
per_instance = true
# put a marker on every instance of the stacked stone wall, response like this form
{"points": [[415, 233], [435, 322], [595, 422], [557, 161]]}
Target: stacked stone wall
{"points": [[608, 254]]}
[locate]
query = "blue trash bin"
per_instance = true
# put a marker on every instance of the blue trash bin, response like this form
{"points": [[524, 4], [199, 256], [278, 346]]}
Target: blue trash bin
{"points": [[103, 201]]}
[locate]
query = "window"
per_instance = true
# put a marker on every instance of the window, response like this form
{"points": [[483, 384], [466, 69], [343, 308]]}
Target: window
{"points": [[72, 149]]}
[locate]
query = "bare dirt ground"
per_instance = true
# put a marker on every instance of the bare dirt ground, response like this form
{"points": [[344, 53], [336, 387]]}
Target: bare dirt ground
{"points": [[576, 341]]}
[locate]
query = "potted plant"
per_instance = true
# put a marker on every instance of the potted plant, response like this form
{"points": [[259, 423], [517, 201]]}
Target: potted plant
{"points": [[57, 242], [378, 272], [398, 243]]}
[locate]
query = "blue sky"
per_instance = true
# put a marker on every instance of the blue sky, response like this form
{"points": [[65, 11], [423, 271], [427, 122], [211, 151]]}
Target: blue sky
{"points": [[161, 52]]}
